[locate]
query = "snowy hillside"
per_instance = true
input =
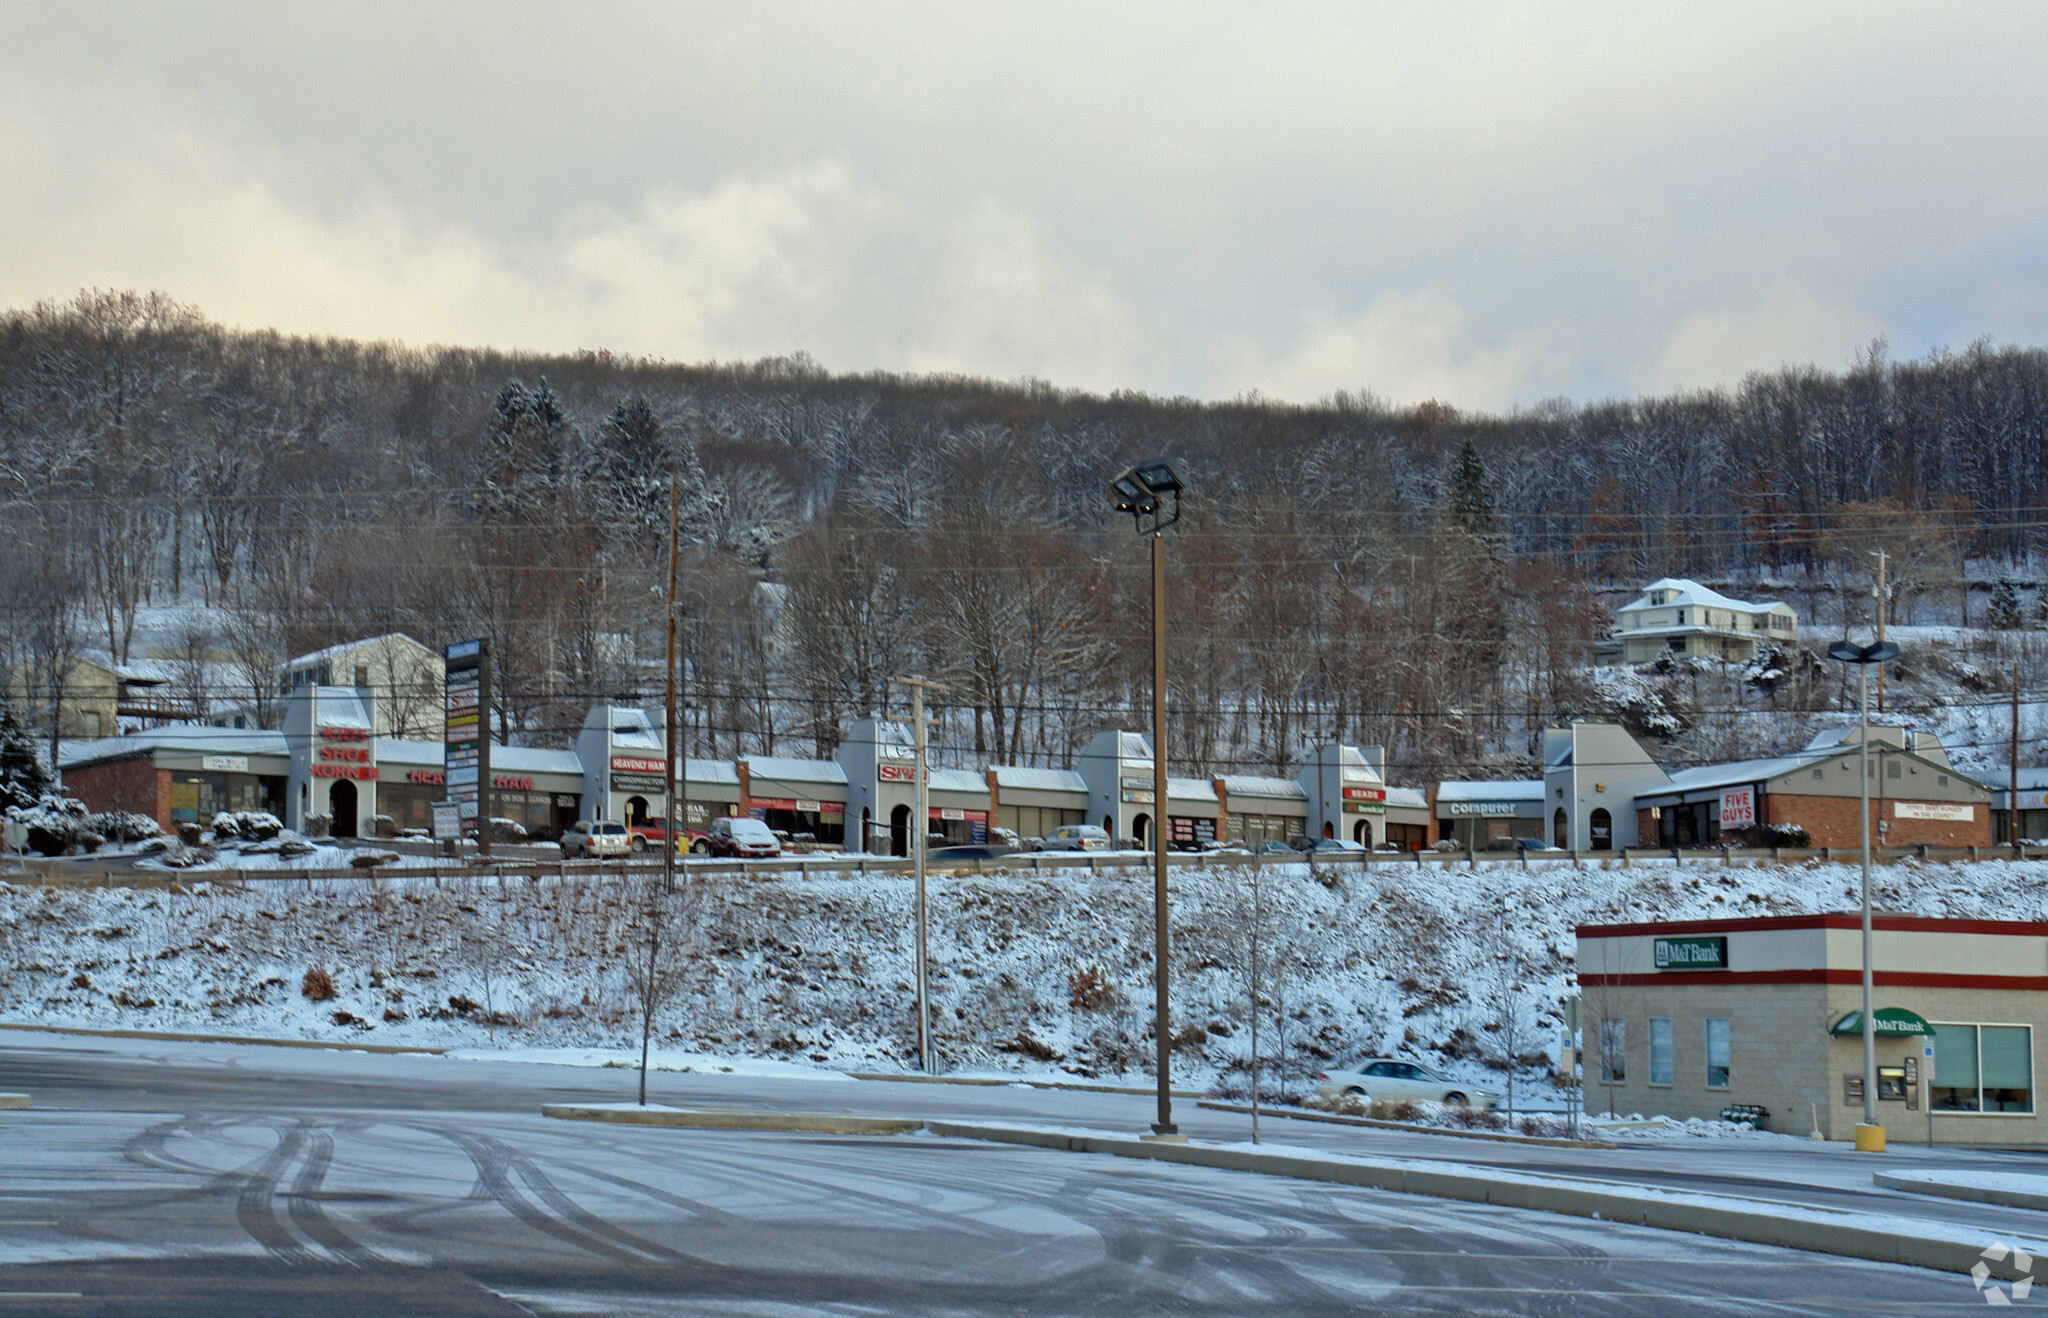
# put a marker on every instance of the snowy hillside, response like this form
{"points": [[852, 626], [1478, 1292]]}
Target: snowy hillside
{"points": [[1046, 974]]}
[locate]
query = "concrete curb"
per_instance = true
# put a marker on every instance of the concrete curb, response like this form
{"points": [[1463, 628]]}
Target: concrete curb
{"points": [[1729, 1217], [715, 1119], [1340, 1119], [1075, 1086], [13, 1102], [179, 1036], [1977, 1194]]}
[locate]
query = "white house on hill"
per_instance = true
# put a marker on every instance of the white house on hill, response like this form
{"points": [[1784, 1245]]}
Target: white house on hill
{"points": [[1678, 617]]}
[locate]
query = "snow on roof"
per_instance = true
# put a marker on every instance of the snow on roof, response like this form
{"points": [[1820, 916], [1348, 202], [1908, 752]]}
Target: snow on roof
{"points": [[193, 738], [633, 730], [801, 771], [1741, 771], [1241, 784], [340, 707], [1039, 780], [958, 780], [1692, 592], [1411, 798], [1504, 790], [1190, 789], [714, 771], [534, 759], [346, 646]]}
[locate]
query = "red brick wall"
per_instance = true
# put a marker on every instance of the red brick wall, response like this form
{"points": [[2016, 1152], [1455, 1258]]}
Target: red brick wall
{"points": [[1646, 829], [1831, 821], [133, 784]]}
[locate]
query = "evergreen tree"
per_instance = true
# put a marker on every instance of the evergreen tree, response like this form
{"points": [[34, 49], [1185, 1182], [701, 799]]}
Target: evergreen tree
{"points": [[23, 779], [2005, 605]]}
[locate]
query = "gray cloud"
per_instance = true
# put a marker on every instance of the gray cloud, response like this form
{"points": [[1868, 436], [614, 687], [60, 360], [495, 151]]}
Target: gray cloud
{"points": [[1487, 203]]}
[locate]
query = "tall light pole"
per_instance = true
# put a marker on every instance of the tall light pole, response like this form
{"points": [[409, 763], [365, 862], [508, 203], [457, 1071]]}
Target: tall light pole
{"points": [[1141, 491], [1863, 656], [918, 685]]}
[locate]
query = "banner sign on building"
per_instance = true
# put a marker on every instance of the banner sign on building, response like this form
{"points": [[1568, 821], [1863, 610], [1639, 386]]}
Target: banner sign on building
{"points": [[1952, 814], [466, 733], [224, 763], [1483, 808], [1709, 952], [1738, 807]]}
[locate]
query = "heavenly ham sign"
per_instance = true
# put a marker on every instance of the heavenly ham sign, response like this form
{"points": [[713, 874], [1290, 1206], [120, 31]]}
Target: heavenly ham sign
{"points": [[510, 782]]}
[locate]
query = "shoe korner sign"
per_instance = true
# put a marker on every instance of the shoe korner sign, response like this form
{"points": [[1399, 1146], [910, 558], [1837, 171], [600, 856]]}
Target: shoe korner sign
{"points": [[1707, 952]]}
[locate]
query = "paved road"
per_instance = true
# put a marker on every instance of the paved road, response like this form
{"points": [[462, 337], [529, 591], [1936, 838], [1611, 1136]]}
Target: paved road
{"points": [[208, 1180]]}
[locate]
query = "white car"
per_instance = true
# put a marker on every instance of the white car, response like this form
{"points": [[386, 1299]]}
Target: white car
{"points": [[596, 839], [1394, 1080], [1075, 837]]}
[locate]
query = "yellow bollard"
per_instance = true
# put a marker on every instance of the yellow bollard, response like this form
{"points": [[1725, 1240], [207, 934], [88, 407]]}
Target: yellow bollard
{"points": [[1869, 1139]]}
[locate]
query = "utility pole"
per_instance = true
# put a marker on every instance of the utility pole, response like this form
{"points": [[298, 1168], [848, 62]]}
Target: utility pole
{"points": [[2012, 796], [922, 825], [669, 831], [1882, 600]]}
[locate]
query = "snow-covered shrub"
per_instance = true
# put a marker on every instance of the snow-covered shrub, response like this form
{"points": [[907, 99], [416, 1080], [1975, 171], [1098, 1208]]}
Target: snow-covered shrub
{"points": [[317, 825], [383, 826], [318, 984], [246, 826], [123, 826], [56, 825], [507, 830]]}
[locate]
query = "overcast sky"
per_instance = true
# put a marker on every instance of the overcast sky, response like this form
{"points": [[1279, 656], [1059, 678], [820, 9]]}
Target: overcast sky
{"points": [[1489, 204]]}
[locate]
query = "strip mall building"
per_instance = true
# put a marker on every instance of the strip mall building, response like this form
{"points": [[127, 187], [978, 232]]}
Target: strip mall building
{"points": [[329, 770], [1686, 1018]]}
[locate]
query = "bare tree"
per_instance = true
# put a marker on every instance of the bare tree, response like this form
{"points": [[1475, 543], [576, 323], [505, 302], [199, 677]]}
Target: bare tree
{"points": [[662, 938]]}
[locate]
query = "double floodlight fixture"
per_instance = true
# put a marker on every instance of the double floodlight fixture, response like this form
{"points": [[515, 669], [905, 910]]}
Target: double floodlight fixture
{"points": [[1849, 652], [1142, 491]]}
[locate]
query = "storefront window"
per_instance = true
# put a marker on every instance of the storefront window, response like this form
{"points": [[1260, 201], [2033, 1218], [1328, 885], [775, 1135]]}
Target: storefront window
{"points": [[1660, 1050], [1983, 1068], [1717, 1052], [198, 797]]}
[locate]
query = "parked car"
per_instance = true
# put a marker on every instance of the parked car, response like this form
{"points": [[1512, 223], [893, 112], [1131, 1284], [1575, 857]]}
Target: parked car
{"points": [[967, 852], [743, 838], [1524, 844], [1393, 1079], [1270, 847], [1075, 837], [598, 839], [1325, 845]]}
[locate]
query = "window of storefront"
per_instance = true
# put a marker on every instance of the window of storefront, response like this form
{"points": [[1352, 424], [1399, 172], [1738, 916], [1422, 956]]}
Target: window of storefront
{"points": [[1613, 1050], [1717, 1052], [1407, 837], [1249, 827], [198, 797], [410, 805], [819, 826], [1660, 1050], [1038, 820], [1983, 1068]]}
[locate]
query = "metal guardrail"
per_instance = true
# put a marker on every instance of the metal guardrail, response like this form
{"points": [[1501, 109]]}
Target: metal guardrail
{"points": [[68, 873]]}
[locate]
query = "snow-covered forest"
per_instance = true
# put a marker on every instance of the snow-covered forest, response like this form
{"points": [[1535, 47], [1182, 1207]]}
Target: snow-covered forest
{"points": [[1416, 577]]}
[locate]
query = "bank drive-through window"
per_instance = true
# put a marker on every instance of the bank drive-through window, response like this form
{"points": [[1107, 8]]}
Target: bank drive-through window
{"points": [[1983, 1068]]}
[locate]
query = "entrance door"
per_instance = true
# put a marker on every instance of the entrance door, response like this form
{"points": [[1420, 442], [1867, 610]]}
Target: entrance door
{"points": [[636, 811], [341, 803], [1561, 837], [1142, 825], [1363, 833], [1602, 825], [899, 831]]}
